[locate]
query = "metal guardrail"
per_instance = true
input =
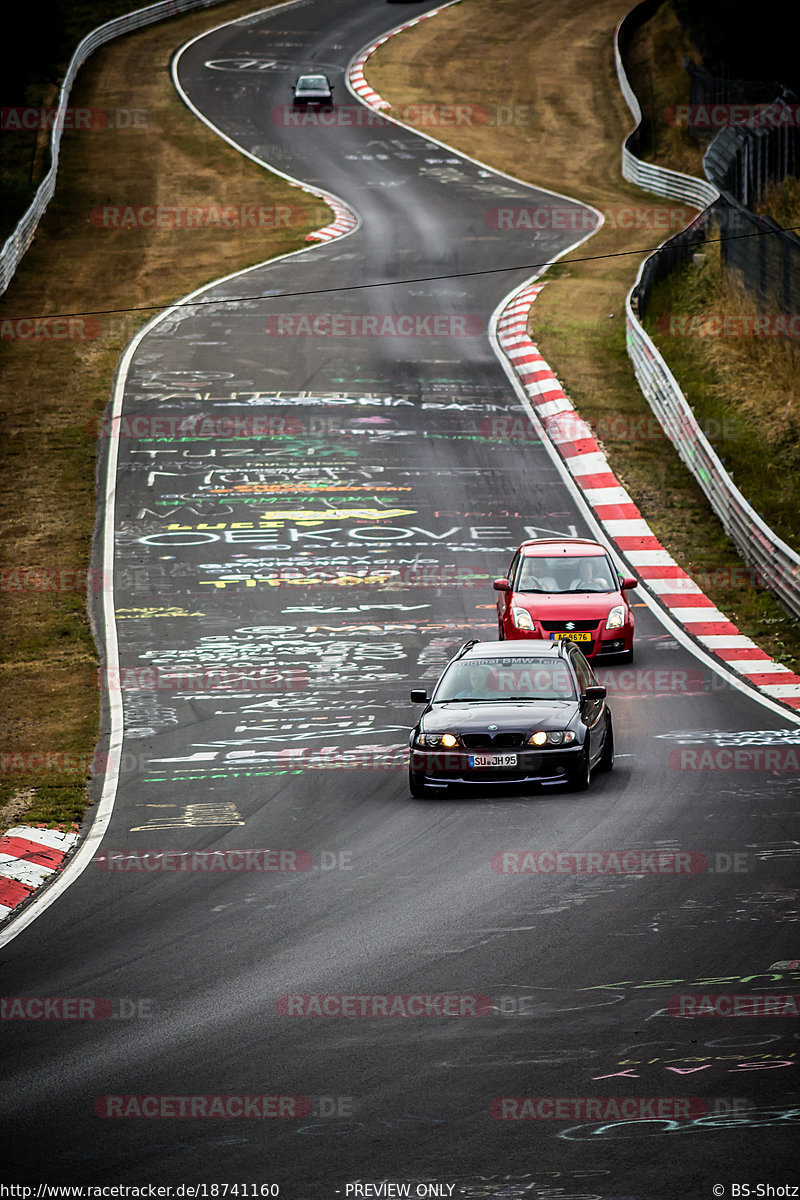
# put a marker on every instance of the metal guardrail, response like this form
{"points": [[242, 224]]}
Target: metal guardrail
{"points": [[673, 184], [19, 241], [777, 565], [742, 161]]}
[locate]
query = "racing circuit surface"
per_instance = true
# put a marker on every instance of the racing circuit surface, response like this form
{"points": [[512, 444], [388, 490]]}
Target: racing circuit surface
{"points": [[282, 581]]}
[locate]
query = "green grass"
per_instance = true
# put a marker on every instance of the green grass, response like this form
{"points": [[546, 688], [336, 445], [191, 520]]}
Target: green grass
{"points": [[740, 388]]}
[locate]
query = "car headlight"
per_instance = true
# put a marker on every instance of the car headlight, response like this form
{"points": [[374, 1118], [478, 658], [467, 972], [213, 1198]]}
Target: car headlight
{"points": [[437, 739], [557, 737], [522, 618], [616, 617]]}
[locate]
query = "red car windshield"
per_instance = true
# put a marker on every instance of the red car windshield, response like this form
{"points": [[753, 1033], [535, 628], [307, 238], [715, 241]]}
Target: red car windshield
{"points": [[560, 575]]}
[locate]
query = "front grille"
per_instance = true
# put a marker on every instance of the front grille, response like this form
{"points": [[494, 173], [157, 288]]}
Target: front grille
{"points": [[493, 741], [577, 626]]}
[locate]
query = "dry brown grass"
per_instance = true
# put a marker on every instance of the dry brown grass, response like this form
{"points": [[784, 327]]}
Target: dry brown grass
{"points": [[781, 201]]}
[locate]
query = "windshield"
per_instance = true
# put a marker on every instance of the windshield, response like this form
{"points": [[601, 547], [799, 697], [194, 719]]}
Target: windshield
{"points": [[313, 81], [592, 573], [498, 679]]}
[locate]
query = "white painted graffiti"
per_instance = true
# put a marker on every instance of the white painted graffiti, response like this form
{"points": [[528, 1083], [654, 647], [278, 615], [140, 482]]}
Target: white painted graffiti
{"points": [[734, 737], [755, 1118]]}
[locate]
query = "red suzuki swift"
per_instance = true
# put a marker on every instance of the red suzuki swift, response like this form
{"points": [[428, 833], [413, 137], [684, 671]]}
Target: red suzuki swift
{"points": [[567, 588]]}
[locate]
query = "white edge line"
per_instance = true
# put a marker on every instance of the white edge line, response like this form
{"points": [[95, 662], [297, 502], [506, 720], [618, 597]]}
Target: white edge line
{"points": [[12, 925]]}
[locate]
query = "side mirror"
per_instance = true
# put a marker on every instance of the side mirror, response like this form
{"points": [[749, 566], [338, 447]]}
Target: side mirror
{"points": [[420, 696], [628, 582], [595, 692], [501, 585]]}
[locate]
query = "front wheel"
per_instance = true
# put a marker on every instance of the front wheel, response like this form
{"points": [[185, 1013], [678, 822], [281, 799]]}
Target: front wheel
{"points": [[606, 762], [580, 776]]}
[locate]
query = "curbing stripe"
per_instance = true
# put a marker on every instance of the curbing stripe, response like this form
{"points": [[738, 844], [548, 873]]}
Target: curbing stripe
{"points": [[12, 848], [346, 220], [355, 71], [12, 893], [29, 856]]}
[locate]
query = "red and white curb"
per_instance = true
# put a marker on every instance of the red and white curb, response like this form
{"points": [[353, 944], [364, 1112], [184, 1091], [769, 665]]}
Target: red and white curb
{"points": [[29, 856], [621, 520], [355, 72], [359, 84], [345, 220]]}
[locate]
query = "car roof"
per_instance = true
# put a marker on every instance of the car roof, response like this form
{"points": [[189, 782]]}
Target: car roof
{"points": [[571, 547], [516, 649]]}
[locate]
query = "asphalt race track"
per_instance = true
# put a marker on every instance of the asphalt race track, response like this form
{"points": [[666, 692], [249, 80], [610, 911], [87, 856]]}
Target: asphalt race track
{"points": [[307, 525]]}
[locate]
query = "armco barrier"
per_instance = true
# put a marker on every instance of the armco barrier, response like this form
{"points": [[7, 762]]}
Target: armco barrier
{"points": [[662, 181], [756, 542], [21, 238]]}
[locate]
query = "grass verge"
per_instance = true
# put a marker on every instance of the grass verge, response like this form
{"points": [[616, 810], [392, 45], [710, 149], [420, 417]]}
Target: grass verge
{"points": [[55, 381], [742, 386]]}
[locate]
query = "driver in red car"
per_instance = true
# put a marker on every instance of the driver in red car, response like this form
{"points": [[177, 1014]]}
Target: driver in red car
{"points": [[588, 579]]}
